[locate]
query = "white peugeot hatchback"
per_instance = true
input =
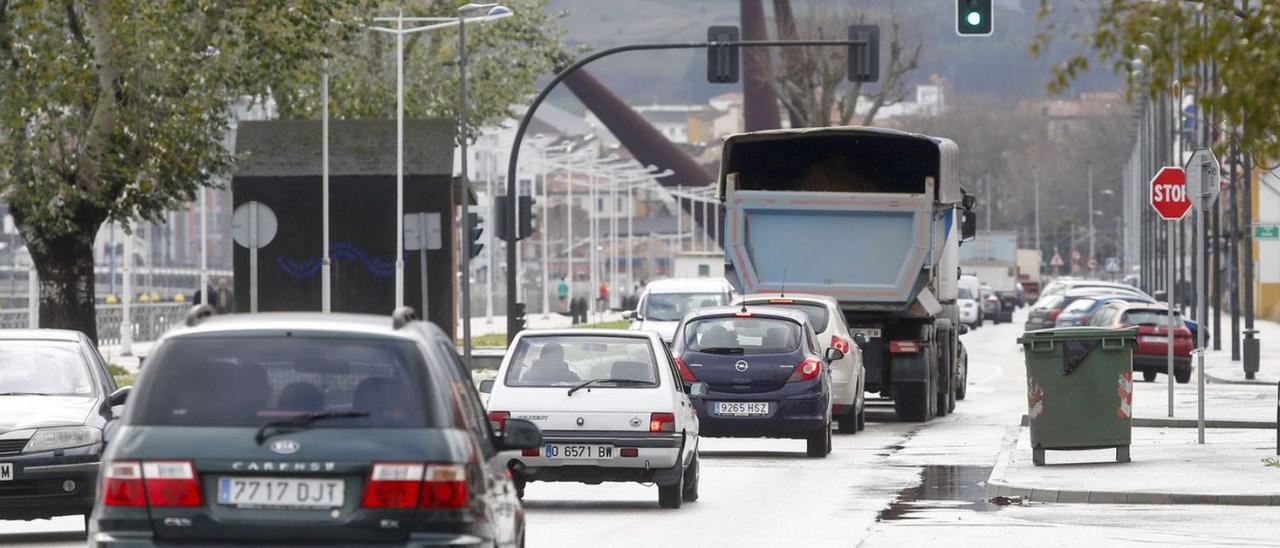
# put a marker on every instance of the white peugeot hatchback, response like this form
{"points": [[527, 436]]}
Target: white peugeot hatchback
{"points": [[611, 406]]}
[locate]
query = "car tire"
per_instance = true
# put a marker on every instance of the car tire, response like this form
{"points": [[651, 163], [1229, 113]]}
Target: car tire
{"points": [[690, 493], [1183, 376], [963, 381], [862, 413], [672, 496], [911, 401], [819, 442], [848, 422], [519, 483], [1150, 376]]}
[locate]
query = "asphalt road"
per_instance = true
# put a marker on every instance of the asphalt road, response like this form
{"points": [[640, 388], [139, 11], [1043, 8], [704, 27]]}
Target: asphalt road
{"points": [[894, 484]]}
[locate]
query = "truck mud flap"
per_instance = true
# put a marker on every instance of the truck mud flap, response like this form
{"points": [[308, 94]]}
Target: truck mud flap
{"points": [[913, 368]]}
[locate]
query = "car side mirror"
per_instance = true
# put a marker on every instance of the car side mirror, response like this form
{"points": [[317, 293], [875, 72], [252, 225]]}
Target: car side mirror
{"points": [[860, 339], [964, 329], [630, 315], [833, 354], [969, 201], [486, 386], [119, 396], [520, 434], [696, 389]]}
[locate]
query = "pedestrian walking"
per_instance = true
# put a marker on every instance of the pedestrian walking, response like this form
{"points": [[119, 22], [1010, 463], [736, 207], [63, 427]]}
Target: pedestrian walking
{"points": [[603, 299], [563, 291], [224, 299]]}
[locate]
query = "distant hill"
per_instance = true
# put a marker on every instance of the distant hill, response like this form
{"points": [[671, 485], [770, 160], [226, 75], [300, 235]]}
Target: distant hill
{"points": [[997, 66]]}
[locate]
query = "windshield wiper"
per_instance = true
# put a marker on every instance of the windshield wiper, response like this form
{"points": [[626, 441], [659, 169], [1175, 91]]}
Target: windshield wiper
{"points": [[722, 350], [25, 394], [303, 421], [593, 381]]}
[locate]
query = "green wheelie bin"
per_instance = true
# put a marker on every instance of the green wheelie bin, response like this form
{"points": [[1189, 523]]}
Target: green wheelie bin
{"points": [[1080, 389]]}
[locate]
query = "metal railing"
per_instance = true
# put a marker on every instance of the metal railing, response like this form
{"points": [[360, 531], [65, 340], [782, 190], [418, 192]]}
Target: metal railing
{"points": [[149, 320]]}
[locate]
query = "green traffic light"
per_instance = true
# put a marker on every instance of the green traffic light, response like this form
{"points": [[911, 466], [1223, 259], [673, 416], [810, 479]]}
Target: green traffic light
{"points": [[973, 18]]}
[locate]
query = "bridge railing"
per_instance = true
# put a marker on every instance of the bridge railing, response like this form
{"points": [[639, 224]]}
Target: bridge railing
{"points": [[149, 320]]}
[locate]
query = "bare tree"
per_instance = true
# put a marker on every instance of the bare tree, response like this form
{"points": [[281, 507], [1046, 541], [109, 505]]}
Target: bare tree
{"points": [[811, 81]]}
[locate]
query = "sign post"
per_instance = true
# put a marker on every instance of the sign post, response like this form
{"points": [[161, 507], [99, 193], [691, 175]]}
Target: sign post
{"points": [[1169, 199], [1204, 182], [422, 233], [253, 225]]}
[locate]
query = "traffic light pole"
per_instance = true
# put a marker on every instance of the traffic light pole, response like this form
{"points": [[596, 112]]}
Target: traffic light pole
{"points": [[512, 324]]}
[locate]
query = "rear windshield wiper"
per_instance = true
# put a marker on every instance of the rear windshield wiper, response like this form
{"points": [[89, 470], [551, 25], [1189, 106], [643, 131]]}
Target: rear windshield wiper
{"points": [[24, 394], [722, 350], [618, 381], [303, 421]]}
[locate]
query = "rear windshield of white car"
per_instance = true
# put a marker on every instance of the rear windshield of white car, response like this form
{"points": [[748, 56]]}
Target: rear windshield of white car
{"points": [[670, 307], [247, 381], [741, 335], [43, 368], [612, 362], [964, 293], [818, 314]]}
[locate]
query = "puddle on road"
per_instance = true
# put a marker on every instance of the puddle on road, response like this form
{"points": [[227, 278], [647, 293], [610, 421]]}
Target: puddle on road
{"points": [[951, 487]]}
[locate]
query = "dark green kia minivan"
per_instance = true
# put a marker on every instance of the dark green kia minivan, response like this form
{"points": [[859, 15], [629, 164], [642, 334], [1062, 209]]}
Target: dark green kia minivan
{"points": [[307, 429]]}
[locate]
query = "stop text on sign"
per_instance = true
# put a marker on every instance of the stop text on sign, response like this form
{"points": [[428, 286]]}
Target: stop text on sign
{"points": [[1168, 192]]}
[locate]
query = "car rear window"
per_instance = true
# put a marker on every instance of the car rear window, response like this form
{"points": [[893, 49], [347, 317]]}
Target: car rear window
{"points": [[1147, 316], [249, 380], [742, 335], [46, 368], [570, 360], [964, 293], [1080, 305], [818, 314]]}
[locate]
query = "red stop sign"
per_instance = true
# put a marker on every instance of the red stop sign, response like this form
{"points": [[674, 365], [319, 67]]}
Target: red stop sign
{"points": [[1169, 193]]}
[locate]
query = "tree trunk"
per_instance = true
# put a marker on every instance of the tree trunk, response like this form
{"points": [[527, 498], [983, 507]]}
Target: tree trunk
{"points": [[65, 267]]}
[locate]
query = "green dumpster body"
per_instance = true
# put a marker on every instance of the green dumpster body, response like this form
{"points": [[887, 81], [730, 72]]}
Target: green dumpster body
{"points": [[1080, 389]]}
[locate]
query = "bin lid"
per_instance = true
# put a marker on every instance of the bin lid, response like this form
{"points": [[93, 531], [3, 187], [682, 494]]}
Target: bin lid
{"points": [[1078, 333]]}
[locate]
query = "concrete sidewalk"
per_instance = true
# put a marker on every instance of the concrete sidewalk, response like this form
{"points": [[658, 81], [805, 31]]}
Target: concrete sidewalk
{"points": [[1219, 368]]}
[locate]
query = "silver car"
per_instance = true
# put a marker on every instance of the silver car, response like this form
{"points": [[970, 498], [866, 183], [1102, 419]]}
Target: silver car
{"points": [[848, 395]]}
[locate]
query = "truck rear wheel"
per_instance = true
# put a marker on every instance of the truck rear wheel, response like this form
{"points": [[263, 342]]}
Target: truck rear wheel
{"points": [[945, 394], [911, 401]]}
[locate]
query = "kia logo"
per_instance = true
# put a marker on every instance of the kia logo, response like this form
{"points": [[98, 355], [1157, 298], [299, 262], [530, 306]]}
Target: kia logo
{"points": [[741, 366], [285, 447]]}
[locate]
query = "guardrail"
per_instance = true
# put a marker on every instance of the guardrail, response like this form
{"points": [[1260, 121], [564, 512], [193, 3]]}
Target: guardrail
{"points": [[149, 320]]}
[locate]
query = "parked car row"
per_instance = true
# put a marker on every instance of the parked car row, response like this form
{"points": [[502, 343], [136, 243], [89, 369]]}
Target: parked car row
{"points": [[1075, 302]]}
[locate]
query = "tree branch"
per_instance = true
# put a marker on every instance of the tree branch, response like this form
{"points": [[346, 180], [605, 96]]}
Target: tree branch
{"points": [[102, 121], [209, 22], [73, 24]]}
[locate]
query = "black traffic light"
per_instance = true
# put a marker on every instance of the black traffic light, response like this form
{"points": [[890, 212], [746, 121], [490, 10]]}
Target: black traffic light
{"points": [[526, 216], [973, 18], [722, 61], [864, 58], [477, 229], [521, 323]]}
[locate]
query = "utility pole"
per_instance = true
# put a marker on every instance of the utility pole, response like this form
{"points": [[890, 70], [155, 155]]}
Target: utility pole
{"points": [[1091, 239], [1036, 178]]}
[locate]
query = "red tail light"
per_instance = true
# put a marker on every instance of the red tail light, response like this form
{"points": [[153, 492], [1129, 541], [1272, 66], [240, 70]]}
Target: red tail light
{"points": [[662, 422], [904, 347], [808, 369], [530, 452], [445, 487], [839, 344], [498, 419], [123, 484], [630, 452], [685, 373], [393, 485], [171, 483], [1052, 315], [782, 301]]}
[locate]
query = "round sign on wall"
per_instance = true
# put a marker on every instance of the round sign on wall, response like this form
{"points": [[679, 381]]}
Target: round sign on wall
{"points": [[1169, 193]]}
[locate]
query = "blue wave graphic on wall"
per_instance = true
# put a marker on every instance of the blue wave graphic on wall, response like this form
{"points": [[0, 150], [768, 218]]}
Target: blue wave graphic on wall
{"points": [[338, 251]]}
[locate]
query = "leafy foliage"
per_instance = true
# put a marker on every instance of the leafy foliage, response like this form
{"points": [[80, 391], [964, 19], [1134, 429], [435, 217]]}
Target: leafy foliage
{"points": [[504, 57], [1157, 44]]}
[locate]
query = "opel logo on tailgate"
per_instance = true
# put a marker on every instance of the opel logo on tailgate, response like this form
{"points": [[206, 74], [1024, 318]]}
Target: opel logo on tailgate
{"points": [[285, 447], [741, 365]]}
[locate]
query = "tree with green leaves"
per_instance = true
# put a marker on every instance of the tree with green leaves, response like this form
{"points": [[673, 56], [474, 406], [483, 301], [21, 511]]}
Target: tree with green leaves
{"points": [[1158, 43], [117, 110]]}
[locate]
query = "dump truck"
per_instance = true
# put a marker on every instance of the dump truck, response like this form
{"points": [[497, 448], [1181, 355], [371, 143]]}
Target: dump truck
{"points": [[872, 217]]}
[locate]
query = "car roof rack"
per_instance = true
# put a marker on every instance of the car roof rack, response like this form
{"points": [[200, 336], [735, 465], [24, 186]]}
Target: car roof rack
{"points": [[403, 316], [197, 314]]}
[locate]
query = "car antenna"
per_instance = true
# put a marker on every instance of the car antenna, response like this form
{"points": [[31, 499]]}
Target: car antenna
{"points": [[783, 293]]}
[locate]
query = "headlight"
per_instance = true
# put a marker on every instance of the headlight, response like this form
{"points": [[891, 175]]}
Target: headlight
{"points": [[49, 439]]}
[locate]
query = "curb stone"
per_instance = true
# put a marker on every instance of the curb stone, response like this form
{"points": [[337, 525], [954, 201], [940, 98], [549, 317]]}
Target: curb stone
{"points": [[1144, 422]]}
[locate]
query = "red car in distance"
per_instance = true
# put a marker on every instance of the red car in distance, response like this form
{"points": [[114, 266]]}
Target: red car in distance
{"points": [[1152, 320]]}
